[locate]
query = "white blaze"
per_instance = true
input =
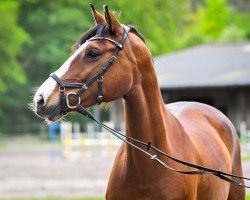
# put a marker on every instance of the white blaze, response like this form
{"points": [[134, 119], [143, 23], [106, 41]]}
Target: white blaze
{"points": [[49, 85]]}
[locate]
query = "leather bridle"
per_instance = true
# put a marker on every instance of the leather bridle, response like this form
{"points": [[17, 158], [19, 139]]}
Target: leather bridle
{"points": [[65, 99], [132, 142]]}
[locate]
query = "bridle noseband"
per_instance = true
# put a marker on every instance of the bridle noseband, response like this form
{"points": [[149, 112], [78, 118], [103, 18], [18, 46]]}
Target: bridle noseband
{"points": [[65, 99]]}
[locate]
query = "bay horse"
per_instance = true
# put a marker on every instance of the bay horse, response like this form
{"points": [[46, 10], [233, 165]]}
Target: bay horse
{"points": [[190, 131]]}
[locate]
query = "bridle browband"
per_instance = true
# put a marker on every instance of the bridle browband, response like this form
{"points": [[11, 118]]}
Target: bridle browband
{"points": [[64, 99], [132, 142]]}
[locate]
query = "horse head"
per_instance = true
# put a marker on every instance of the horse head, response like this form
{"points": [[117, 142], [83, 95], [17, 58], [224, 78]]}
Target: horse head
{"points": [[107, 42]]}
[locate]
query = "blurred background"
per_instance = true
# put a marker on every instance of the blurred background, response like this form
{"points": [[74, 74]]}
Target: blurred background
{"points": [[201, 50]]}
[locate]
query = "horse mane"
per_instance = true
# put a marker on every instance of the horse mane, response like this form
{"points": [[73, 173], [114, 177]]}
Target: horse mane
{"points": [[136, 32], [100, 30]]}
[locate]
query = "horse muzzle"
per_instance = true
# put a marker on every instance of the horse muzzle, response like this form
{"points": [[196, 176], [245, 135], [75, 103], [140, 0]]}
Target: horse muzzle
{"points": [[49, 113]]}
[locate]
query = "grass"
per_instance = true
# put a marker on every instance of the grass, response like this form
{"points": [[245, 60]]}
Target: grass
{"points": [[56, 198]]}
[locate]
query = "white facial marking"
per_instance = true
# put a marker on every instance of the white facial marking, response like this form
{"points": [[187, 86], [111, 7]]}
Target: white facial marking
{"points": [[49, 85]]}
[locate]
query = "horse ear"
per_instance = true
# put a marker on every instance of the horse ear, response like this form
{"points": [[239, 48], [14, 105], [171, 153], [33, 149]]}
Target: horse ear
{"points": [[98, 17], [114, 25]]}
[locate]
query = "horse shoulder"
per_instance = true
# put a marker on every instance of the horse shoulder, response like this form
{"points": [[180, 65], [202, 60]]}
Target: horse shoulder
{"points": [[215, 140], [200, 116], [209, 130]]}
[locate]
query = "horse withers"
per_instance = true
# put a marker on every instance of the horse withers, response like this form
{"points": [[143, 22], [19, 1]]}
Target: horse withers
{"points": [[190, 131]]}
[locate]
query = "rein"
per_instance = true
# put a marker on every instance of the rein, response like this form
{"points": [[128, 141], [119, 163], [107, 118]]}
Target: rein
{"points": [[131, 141], [134, 143]]}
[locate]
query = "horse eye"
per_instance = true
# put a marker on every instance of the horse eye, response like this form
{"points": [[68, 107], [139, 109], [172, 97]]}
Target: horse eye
{"points": [[91, 54]]}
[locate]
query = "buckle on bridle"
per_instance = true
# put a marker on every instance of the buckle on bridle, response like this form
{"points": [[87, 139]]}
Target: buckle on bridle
{"points": [[61, 89], [100, 79], [67, 100], [64, 113]]}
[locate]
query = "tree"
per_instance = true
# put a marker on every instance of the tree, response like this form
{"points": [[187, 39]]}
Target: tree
{"points": [[54, 26], [12, 38]]}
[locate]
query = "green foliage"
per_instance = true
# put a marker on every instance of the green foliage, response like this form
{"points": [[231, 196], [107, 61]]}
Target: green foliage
{"points": [[54, 26], [232, 33], [12, 37], [214, 17], [242, 21], [215, 22]]}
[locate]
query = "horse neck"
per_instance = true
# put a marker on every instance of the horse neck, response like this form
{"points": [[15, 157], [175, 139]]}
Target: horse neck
{"points": [[145, 112], [145, 116]]}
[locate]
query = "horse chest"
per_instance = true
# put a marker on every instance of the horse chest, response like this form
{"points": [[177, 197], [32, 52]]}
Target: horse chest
{"points": [[125, 184]]}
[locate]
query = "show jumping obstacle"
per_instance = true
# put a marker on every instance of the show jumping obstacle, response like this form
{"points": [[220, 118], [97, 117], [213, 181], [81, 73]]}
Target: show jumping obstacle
{"points": [[76, 145], [111, 61]]}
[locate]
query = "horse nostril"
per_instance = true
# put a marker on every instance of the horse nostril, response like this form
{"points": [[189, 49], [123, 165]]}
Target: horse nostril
{"points": [[40, 102]]}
